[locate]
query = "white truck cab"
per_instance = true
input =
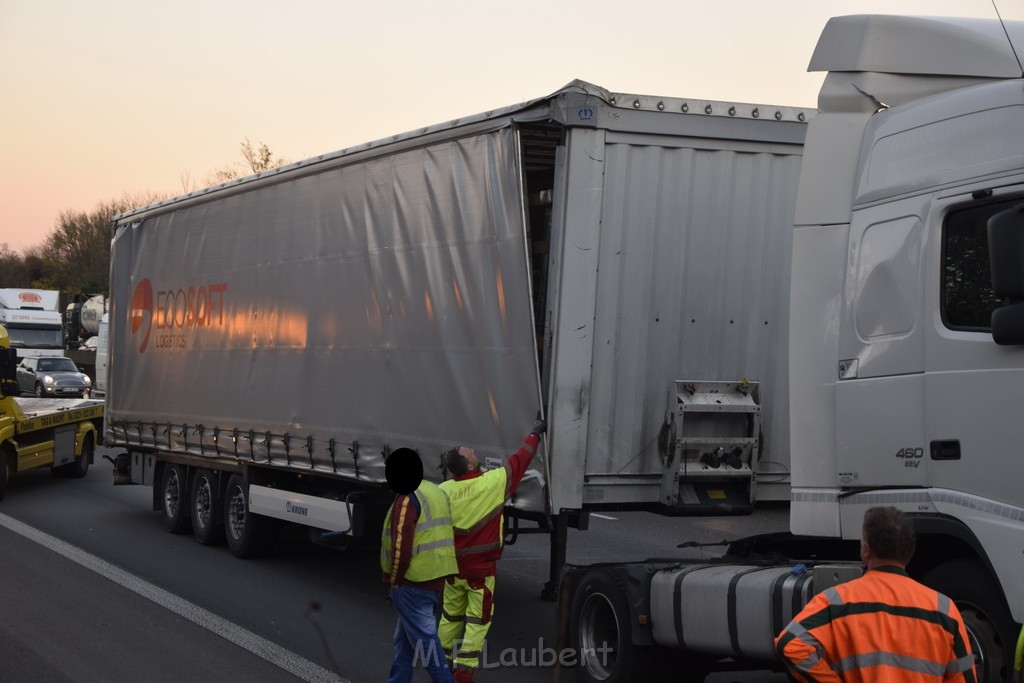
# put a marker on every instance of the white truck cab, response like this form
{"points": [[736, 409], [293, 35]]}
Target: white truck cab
{"points": [[898, 385]]}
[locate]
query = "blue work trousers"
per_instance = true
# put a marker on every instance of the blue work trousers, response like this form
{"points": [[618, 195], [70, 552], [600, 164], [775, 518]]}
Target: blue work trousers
{"points": [[416, 640]]}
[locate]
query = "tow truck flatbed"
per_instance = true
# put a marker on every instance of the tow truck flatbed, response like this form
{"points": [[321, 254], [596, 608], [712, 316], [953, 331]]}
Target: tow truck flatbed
{"points": [[57, 433]]}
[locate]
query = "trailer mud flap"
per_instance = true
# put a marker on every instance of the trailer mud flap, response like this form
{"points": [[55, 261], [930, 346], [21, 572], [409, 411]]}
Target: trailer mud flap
{"points": [[311, 511]]}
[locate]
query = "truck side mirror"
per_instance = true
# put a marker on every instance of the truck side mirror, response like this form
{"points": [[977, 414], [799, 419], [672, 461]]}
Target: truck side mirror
{"points": [[1006, 258]]}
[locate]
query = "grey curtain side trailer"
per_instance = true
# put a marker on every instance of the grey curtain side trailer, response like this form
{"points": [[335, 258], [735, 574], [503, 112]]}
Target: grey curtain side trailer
{"points": [[591, 255]]}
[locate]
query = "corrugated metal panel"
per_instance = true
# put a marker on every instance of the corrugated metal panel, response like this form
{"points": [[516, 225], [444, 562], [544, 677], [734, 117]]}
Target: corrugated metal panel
{"points": [[693, 281]]}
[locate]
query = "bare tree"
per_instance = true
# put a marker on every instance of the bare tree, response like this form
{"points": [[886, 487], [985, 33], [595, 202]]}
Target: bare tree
{"points": [[13, 271], [188, 184], [77, 250], [24, 270], [258, 158]]}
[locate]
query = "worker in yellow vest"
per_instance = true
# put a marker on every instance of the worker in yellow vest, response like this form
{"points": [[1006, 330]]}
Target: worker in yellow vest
{"points": [[477, 501], [417, 554]]}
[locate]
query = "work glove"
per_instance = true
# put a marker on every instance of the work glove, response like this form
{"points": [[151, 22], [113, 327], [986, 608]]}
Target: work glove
{"points": [[539, 427]]}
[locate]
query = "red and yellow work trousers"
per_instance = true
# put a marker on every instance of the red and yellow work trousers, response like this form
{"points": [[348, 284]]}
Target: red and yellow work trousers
{"points": [[465, 618]]}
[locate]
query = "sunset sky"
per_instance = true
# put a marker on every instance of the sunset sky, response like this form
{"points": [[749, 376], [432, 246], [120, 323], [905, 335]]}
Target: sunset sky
{"points": [[110, 97]]}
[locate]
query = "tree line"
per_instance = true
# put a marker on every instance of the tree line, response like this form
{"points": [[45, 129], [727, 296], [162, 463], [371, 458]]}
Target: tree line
{"points": [[74, 257]]}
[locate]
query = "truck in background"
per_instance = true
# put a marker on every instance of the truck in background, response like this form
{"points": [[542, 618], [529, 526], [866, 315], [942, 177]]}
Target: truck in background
{"points": [[273, 339], [99, 380], [32, 320], [40, 432], [906, 347], [82, 320]]}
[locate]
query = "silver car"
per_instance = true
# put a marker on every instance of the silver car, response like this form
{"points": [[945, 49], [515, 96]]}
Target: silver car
{"points": [[52, 376]]}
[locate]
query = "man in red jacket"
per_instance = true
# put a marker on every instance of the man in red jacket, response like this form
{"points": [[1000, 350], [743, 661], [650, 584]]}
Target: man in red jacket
{"points": [[477, 502], [883, 626]]}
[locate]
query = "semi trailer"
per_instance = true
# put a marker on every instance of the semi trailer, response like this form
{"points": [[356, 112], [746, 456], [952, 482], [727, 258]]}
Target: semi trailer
{"points": [[272, 339]]}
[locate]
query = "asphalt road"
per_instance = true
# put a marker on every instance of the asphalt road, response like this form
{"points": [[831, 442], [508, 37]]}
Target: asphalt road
{"points": [[94, 588]]}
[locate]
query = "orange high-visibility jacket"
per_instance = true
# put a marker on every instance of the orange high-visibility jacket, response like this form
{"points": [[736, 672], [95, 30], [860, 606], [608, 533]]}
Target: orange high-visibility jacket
{"points": [[883, 626]]}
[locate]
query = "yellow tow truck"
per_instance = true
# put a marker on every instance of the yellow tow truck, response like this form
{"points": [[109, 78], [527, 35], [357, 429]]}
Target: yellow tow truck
{"points": [[43, 432]]}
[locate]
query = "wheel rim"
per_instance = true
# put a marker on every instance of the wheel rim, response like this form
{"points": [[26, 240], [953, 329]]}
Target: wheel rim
{"points": [[599, 637], [172, 494], [236, 513], [979, 631], [203, 502]]}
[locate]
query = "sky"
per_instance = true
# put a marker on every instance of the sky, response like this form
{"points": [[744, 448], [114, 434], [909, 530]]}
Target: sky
{"points": [[109, 98]]}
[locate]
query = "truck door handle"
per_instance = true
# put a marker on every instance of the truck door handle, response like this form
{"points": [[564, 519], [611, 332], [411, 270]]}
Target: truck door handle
{"points": [[946, 450]]}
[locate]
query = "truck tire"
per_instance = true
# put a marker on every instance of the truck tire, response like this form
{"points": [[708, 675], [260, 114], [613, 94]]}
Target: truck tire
{"points": [[990, 627], [248, 535], [600, 633], [80, 467], [174, 497], [207, 508]]}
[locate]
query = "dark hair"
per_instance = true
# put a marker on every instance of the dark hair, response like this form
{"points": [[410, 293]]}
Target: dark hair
{"points": [[888, 533], [456, 462]]}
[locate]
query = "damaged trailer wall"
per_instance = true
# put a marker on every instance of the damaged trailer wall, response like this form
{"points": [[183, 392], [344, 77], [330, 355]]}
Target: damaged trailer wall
{"points": [[687, 278]]}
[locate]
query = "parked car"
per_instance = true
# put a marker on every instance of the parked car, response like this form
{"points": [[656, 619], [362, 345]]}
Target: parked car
{"points": [[52, 376]]}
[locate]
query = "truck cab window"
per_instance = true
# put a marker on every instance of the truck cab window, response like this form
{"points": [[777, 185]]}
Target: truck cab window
{"points": [[967, 298]]}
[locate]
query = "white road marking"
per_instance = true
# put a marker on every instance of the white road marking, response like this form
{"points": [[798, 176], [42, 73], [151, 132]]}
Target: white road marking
{"points": [[594, 514], [259, 646]]}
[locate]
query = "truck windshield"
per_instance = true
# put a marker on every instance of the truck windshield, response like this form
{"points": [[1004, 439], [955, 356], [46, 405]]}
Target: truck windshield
{"points": [[34, 337]]}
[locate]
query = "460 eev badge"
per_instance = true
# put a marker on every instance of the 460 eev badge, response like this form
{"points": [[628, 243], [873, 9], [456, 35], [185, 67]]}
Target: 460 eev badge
{"points": [[911, 456]]}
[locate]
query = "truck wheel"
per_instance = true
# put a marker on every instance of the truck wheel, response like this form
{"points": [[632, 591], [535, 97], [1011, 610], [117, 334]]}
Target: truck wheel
{"points": [[207, 525], [990, 627], [248, 535], [175, 506], [600, 632]]}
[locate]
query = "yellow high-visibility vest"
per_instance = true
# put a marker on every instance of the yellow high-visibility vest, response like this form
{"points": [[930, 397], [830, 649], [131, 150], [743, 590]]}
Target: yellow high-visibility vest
{"points": [[433, 551], [475, 502]]}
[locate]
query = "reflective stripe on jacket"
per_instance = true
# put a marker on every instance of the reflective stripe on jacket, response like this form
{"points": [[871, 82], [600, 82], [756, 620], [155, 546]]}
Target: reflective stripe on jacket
{"points": [[433, 546], [476, 502], [883, 626]]}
